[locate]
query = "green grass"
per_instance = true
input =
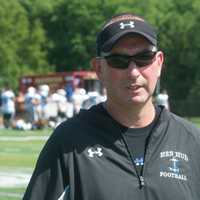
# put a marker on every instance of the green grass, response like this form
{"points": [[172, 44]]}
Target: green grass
{"points": [[11, 193], [19, 156], [14, 153], [195, 120], [18, 133]]}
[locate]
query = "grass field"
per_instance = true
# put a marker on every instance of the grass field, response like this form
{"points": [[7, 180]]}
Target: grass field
{"points": [[18, 154], [195, 120]]}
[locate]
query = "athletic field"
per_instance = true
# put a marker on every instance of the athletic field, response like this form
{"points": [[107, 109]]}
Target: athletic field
{"points": [[18, 153]]}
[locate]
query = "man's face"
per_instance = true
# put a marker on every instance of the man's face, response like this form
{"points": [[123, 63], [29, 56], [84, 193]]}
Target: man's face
{"points": [[133, 85]]}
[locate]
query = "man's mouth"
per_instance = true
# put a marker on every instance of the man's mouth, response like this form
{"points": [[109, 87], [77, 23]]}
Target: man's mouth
{"points": [[134, 87]]}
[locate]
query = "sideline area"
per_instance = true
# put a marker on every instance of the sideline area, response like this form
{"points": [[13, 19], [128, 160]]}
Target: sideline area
{"points": [[18, 153], [11, 182], [13, 179], [24, 138]]}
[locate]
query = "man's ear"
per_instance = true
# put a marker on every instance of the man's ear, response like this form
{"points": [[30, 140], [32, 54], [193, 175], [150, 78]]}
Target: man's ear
{"points": [[160, 62], [95, 63]]}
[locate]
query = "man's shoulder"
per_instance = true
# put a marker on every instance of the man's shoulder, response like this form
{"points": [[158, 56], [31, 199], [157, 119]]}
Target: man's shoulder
{"points": [[72, 126], [79, 124], [185, 124]]}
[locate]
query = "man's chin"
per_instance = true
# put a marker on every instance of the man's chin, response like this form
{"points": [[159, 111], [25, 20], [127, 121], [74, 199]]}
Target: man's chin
{"points": [[138, 100]]}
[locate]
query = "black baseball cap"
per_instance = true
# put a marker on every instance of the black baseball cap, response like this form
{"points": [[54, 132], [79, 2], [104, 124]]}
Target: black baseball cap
{"points": [[120, 26]]}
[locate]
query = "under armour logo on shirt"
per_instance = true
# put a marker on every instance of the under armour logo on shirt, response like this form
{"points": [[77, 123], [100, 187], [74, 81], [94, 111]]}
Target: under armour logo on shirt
{"points": [[93, 151], [124, 25]]}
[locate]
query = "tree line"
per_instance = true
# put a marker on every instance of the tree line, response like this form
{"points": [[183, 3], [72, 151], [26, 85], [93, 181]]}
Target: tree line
{"points": [[39, 37]]}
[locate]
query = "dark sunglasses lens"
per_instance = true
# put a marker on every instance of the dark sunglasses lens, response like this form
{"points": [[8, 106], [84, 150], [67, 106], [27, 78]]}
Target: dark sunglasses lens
{"points": [[122, 61], [145, 55], [144, 59], [118, 62], [142, 63]]}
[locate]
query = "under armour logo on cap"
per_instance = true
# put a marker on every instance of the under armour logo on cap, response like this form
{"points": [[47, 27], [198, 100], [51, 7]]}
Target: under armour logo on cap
{"points": [[120, 26], [123, 25], [97, 151]]}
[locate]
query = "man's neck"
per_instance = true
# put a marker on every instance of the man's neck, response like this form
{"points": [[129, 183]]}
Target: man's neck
{"points": [[135, 116]]}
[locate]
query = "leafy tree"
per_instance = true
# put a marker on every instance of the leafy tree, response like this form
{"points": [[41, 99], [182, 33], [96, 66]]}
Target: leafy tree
{"points": [[71, 31], [21, 49], [177, 23]]}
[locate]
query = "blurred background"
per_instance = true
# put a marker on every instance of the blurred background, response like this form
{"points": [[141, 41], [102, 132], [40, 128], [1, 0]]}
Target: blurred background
{"points": [[45, 74]]}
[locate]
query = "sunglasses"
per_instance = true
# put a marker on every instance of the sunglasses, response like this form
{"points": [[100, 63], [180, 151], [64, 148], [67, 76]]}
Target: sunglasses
{"points": [[141, 59]]}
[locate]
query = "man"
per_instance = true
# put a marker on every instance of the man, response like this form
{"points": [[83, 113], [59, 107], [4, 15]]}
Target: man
{"points": [[163, 99], [8, 107], [124, 148]]}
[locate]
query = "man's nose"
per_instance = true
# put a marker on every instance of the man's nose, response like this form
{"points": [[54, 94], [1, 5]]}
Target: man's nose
{"points": [[133, 69]]}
